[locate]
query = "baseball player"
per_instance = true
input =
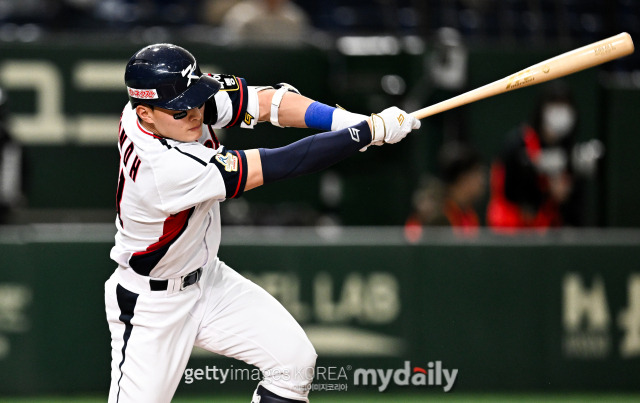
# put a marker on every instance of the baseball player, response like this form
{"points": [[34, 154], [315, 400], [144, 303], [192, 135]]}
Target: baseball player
{"points": [[170, 290]]}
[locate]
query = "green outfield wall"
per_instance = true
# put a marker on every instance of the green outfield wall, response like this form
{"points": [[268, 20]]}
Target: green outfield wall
{"points": [[559, 312]]}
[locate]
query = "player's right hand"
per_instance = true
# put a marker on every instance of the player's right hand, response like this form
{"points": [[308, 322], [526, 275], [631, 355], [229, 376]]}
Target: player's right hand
{"points": [[392, 125]]}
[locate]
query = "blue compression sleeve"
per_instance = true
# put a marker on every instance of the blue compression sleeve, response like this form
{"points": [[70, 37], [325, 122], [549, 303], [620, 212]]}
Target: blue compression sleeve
{"points": [[319, 116], [313, 153]]}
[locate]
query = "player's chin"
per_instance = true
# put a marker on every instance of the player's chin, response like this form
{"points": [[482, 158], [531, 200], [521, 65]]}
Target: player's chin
{"points": [[194, 133]]}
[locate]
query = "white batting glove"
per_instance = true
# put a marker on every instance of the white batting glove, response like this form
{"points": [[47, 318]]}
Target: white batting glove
{"points": [[392, 125]]}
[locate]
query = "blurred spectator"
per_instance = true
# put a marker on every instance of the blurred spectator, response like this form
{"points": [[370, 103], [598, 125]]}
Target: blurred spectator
{"points": [[447, 63], [272, 22], [427, 207], [535, 182], [464, 177], [450, 201], [213, 11], [10, 166]]}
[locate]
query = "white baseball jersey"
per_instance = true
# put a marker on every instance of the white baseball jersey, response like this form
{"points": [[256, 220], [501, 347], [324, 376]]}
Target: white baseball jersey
{"points": [[169, 191], [168, 227]]}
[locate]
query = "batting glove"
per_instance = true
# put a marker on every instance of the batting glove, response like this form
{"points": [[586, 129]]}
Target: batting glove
{"points": [[392, 125]]}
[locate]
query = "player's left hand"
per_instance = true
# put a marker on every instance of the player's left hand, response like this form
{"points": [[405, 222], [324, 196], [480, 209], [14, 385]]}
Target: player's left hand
{"points": [[392, 125]]}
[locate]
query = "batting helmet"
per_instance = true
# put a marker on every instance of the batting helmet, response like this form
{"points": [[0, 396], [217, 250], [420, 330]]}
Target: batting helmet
{"points": [[167, 76]]}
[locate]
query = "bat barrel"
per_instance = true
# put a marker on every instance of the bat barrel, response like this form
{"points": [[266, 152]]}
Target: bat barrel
{"points": [[567, 63], [583, 58]]}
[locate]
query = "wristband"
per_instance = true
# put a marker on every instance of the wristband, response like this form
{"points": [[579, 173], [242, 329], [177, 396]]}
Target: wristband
{"points": [[319, 116]]}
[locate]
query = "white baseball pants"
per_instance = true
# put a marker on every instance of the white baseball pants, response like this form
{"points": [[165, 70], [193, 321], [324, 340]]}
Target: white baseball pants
{"points": [[153, 334]]}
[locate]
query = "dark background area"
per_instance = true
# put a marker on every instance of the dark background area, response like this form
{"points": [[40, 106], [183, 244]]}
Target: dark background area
{"points": [[499, 38]]}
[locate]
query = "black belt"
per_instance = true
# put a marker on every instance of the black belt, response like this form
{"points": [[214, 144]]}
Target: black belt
{"points": [[189, 279]]}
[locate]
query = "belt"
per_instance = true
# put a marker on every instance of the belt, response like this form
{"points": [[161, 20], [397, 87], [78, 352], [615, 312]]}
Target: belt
{"points": [[185, 281]]}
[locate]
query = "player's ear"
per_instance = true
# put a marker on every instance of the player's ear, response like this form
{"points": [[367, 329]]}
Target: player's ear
{"points": [[144, 113]]}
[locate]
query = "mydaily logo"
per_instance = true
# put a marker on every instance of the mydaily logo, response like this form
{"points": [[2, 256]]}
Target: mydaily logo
{"points": [[433, 375], [334, 378]]}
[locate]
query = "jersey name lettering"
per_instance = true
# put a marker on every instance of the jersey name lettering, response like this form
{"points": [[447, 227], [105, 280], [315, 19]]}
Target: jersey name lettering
{"points": [[126, 156]]}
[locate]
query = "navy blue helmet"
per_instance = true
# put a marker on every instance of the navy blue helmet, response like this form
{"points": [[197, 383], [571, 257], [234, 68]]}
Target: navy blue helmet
{"points": [[167, 76]]}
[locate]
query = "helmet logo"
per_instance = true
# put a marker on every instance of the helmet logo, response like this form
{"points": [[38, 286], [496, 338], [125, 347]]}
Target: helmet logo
{"points": [[189, 70], [142, 94]]}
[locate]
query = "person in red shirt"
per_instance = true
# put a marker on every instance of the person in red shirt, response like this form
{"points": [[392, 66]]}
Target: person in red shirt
{"points": [[532, 182]]}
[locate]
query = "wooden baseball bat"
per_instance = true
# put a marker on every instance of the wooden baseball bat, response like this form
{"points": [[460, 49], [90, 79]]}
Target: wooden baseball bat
{"points": [[567, 63]]}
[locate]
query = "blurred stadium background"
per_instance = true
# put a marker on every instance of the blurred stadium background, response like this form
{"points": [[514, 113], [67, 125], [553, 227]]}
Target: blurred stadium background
{"points": [[547, 316]]}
